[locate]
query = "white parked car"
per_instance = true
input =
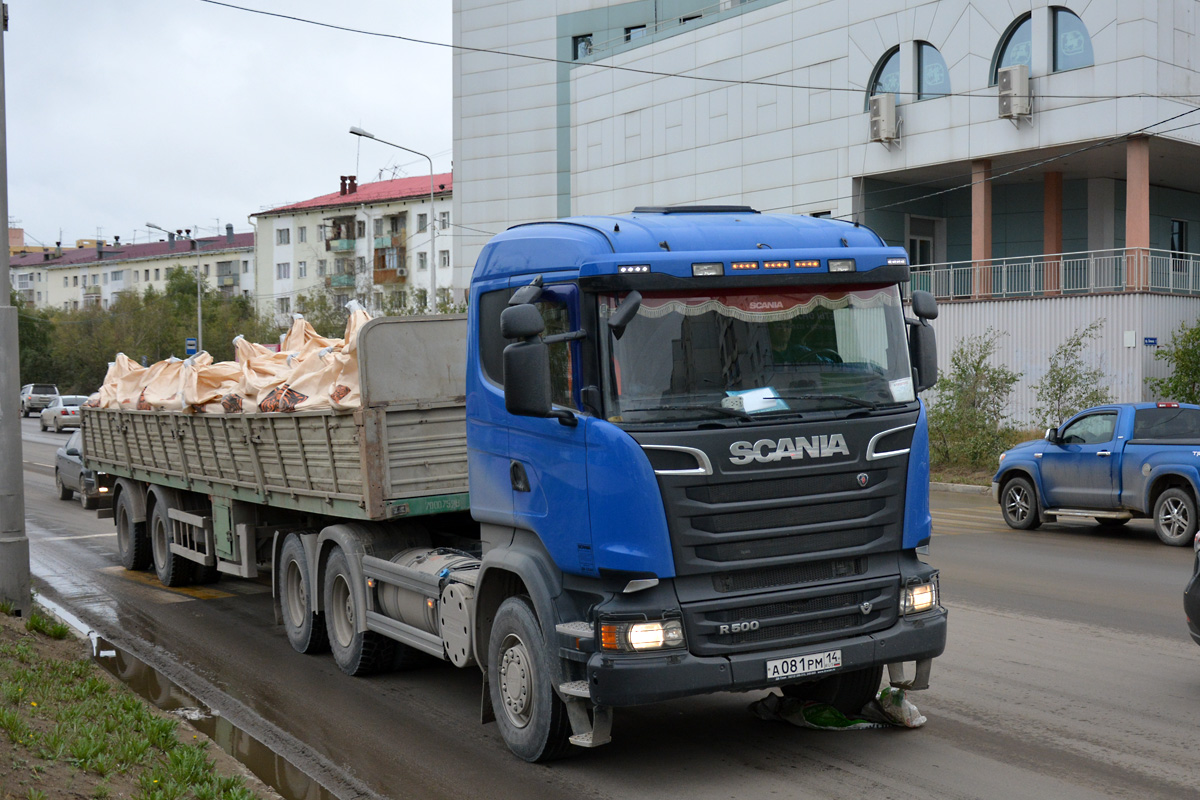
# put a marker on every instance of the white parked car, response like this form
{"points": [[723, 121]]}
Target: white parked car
{"points": [[63, 412]]}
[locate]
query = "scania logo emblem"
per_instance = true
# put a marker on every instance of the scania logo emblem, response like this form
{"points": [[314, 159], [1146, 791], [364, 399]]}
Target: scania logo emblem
{"points": [[766, 451], [862, 479], [865, 608]]}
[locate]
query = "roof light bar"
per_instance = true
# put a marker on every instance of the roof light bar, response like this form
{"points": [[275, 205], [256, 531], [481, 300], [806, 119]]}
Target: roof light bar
{"points": [[745, 265], [633, 268], [708, 269], [809, 263], [841, 265], [897, 260], [777, 264]]}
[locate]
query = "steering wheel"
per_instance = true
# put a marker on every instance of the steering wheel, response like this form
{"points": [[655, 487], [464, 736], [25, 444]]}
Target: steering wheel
{"points": [[823, 354]]}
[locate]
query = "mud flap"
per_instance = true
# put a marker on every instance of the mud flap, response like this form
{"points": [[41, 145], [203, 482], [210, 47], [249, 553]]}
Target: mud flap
{"points": [[920, 680]]}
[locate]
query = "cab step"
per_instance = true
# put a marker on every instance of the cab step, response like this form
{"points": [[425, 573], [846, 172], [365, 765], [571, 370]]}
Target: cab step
{"points": [[1091, 513]]}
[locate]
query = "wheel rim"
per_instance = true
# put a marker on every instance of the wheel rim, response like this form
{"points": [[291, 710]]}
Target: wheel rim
{"points": [[1173, 518], [516, 680], [341, 611], [1017, 504], [159, 542], [297, 595], [122, 533]]}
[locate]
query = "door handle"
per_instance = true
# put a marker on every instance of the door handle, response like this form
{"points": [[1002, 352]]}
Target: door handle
{"points": [[1103, 453]]}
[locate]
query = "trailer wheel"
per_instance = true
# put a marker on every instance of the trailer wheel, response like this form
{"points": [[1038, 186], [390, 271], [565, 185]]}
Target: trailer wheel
{"points": [[1018, 505], [172, 570], [531, 717], [64, 493], [848, 692], [133, 544], [1175, 517], [356, 652], [305, 629]]}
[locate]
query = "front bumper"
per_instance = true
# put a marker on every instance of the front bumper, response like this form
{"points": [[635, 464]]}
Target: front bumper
{"points": [[1191, 603], [630, 680]]}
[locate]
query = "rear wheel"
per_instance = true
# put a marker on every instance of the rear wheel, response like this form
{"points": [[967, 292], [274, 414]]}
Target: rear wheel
{"points": [[1175, 517], [42, 423], [531, 716], [848, 692], [305, 629], [1018, 505], [172, 570], [133, 544], [64, 493], [356, 652]]}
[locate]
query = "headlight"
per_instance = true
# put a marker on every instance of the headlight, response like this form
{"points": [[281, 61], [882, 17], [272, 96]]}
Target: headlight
{"points": [[1002, 455], [919, 597], [636, 637]]}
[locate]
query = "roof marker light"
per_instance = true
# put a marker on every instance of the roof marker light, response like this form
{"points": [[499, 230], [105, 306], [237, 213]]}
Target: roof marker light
{"points": [[745, 265], [897, 260], [777, 264], [708, 269], [810, 263], [633, 268]]}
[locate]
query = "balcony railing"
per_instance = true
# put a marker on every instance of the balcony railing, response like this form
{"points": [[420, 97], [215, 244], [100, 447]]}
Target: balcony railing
{"points": [[91, 290], [1091, 272], [227, 280], [340, 281], [339, 245]]}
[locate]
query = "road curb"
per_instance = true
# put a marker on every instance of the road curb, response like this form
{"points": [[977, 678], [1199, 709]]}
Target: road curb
{"points": [[961, 488]]}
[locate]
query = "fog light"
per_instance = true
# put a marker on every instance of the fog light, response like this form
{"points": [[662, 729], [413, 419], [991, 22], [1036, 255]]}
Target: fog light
{"points": [[919, 597], [641, 636]]}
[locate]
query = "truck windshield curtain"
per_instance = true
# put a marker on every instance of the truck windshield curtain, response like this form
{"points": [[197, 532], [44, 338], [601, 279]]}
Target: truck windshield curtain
{"points": [[766, 352]]}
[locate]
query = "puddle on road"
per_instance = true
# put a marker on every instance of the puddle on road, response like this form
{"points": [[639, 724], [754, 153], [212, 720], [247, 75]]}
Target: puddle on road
{"points": [[272, 769]]}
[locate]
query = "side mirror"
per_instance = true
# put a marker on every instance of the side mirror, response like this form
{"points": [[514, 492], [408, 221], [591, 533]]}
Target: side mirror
{"points": [[521, 322], [922, 351], [625, 313], [527, 382], [924, 305], [71, 451], [1052, 435]]}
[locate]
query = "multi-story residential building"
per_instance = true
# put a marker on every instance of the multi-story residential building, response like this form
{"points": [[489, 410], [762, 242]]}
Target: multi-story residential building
{"points": [[92, 276], [372, 242], [1039, 160]]}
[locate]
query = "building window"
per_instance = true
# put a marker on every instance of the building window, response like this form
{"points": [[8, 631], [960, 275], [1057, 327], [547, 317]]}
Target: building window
{"points": [[362, 265], [397, 224], [206, 270], [422, 222], [135, 275], [321, 265], [422, 260], [444, 220], [360, 229], [320, 233], [1016, 47], [283, 236], [301, 269], [302, 234], [283, 270], [95, 280], [118, 275], [66, 282], [581, 46], [245, 267], [379, 227], [886, 77], [339, 266], [146, 276], [284, 304], [39, 297], [1072, 44], [933, 79], [106, 278], [635, 32], [443, 258], [1179, 244], [156, 273]]}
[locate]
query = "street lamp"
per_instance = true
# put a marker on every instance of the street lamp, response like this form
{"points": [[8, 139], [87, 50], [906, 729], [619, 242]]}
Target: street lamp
{"points": [[199, 285], [433, 265]]}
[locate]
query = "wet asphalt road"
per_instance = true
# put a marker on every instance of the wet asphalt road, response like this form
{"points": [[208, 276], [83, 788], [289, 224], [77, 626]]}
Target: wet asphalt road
{"points": [[1069, 673]]}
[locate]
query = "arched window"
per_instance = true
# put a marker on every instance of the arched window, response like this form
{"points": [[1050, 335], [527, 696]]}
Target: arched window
{"points": [[1072, 45], [886, 76], [1016, 46], [933, 79]]}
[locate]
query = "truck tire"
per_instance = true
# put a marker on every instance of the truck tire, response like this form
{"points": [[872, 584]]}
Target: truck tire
{"points": [[1018, 505], [848, 692], [63, 492], [305, 629], [530, 714], [1175, 517], [172, 570], [133, 545], [356, 652]]}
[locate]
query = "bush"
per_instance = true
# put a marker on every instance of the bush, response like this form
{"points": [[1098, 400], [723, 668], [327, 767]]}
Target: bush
{"points": [[968, 418], [1183, 354], [1070, 385]]}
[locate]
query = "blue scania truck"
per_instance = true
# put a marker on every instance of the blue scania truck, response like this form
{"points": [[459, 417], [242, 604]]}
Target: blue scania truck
{"points": [[667, 453]]}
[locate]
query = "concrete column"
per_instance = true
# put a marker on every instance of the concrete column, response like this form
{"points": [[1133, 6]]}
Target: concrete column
{"points": [[981, 226], [1137, 211], [1052, 228]]}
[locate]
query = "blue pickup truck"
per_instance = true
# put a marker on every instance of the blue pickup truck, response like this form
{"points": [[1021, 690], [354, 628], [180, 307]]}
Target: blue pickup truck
{"points": [[1111, 463]]}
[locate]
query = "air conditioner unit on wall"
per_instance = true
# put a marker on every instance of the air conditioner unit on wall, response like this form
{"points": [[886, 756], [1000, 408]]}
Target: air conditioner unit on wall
{"points": [[1015, 99], [883, 117], [402, 272]]}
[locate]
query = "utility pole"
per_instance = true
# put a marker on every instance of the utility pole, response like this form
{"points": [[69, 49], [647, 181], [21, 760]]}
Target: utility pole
{"points": [[14, 544]]}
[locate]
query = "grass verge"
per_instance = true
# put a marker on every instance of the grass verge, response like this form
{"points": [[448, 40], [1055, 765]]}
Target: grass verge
{"points": [[69, 730]]}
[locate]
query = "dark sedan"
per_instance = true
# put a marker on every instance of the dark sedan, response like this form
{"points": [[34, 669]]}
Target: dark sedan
{"points": [[71, 478]]}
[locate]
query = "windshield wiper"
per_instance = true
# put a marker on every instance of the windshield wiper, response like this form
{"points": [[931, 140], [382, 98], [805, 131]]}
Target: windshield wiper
{"points": [[854, 401], [719, 411]]}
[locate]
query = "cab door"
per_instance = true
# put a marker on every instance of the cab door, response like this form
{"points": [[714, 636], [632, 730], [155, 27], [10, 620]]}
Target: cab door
{"points": [[1080, 471]]}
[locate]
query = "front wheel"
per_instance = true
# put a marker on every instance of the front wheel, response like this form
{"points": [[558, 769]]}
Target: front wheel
{"points": [[531, 717], [848, 692], [1018, 505], [88, 503], [1175, 517], [356, 652], [64, 492], [305, 629]]}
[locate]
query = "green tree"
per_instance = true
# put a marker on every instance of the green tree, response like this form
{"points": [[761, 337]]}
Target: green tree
{"points": [[34, 330], [969, 415], [1182, 353], [1070, 384]]}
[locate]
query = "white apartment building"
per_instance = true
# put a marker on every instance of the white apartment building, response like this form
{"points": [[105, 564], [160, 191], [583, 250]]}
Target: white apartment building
{"points": [[387, 244], [92, 276], [1038, 160]]}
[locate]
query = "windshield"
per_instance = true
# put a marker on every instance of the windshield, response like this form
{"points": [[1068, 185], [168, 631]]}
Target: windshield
{"points": [[766, 352]]}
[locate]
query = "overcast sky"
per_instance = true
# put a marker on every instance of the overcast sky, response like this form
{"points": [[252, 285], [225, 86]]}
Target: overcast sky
{"points": [[183, 113]]}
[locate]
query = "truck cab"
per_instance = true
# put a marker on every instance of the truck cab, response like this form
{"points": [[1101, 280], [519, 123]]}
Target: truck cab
{"points": [[697, 455]]}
